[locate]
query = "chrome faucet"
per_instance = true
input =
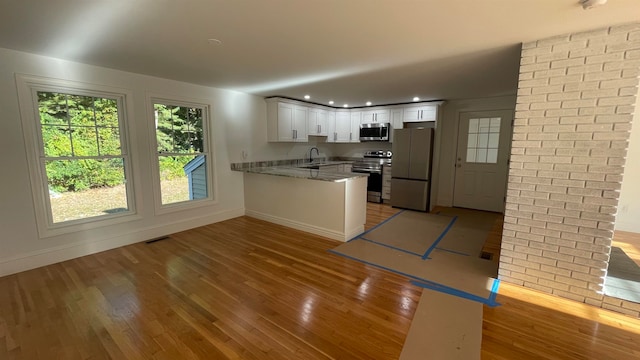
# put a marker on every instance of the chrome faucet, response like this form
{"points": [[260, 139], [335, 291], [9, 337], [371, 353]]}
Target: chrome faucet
{"points": [[311, 153]]}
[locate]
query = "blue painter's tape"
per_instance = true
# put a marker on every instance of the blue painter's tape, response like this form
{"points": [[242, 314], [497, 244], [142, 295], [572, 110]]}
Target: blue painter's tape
{"points": [[490, 301], [453, 251], [432, 285], [435, 243], [377, 266], [389, 246], [494, 290], [377, 226]]}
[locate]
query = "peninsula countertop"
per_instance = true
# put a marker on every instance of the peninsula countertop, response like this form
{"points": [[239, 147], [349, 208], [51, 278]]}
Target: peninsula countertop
{"points": [[324, 171]]}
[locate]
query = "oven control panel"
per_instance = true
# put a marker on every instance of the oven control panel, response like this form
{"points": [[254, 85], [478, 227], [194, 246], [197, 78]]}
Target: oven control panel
{"points": [[381, 154]]}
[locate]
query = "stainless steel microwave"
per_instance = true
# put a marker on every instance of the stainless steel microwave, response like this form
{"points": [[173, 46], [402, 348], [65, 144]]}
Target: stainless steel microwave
{"points": [[375, 132]]}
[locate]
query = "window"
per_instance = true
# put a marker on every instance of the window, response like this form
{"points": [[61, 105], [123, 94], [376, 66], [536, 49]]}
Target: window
{"points": [[483, 139], [182, 151], [79, 153]]}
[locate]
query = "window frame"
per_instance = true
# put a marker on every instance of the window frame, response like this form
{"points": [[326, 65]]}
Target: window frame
{"points": [[208, 146], [28, 88]]}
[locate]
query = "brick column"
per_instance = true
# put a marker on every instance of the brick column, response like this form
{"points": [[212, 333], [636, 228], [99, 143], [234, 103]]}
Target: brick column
{"points": [[576, 98]]}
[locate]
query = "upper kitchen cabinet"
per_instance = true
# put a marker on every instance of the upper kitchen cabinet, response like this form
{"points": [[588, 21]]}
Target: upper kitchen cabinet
{"points": [[286, 122], [317, 119], [375, 116], [356, 120], [421, 113], [342, 127]]}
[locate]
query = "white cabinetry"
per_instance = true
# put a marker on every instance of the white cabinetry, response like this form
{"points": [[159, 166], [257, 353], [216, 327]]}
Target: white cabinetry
{"points": [[356, 120], [292, 121], [375, 116], [343, 127], [420, 113], [318, 122], [286, 122], [386, 183]]}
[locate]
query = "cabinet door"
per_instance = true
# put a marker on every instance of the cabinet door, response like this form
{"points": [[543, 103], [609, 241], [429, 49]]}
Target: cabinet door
{"points": [[343, 127], [375, 116], [428, 113], [285, 122], [332, 134], [411, 114], [300, 123], [420, 113], [382, 116], [356, 119], [368, 117], [312, 120], [321, 123]]}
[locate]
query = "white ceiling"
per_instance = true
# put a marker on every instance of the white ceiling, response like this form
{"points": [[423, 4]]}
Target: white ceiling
{"points": [[351, 51]]}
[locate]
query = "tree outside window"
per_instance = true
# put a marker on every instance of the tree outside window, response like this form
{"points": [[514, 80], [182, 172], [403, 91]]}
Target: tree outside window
{"points": [[82, 155], [182, 153]]}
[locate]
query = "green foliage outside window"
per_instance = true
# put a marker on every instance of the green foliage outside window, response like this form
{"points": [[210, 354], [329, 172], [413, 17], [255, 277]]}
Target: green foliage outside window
{"points": [[76, 127], [179, 134]]}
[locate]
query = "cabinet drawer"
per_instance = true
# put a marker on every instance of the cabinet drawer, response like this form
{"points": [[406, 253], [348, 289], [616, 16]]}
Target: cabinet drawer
{"points": [[386, 194]]}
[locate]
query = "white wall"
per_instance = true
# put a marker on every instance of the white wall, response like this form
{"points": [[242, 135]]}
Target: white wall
{"points": [[234, 117], [628, 205], [448, 133]]}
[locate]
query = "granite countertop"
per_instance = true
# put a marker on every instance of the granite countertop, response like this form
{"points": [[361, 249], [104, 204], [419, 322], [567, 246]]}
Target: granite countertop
{"points": [[302, 171]]}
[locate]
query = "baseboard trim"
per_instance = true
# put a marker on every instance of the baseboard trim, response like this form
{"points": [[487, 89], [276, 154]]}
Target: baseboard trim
{"points": [[331, 234], [32, 260], [627, 226]]}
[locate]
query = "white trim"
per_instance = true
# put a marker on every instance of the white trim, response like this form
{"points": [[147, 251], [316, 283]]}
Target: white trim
{"points": [[207, 126], [27, 86], [57, 254], [331, 234]]}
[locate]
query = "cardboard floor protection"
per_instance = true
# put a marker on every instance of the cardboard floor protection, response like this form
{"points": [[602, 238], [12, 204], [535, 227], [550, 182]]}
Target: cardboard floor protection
{"points": [[623, 276], [469, 274], [467, 234], [444, 327], [411, 231], [448, 321]]}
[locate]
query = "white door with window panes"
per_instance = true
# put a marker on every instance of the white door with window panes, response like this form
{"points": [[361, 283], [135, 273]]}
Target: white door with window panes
{"points": [[482, 159]]}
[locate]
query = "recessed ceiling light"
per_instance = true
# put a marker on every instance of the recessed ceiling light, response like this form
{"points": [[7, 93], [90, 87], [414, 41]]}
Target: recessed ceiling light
{"points": [[307, 97], [214, 41], [415, 98], [331, 102], [345, 105], [368, 103]]}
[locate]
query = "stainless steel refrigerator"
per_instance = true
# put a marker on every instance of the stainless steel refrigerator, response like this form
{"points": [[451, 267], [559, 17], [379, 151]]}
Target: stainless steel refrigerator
{"points": [[411, 168]]}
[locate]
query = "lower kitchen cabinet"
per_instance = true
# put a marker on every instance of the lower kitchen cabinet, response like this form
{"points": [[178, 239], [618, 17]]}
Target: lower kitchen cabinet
{"points": [[386, 183]]}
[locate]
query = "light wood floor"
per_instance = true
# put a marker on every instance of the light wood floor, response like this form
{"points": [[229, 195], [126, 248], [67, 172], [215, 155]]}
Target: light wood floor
{"points": [[248, 289], [629, 242]]}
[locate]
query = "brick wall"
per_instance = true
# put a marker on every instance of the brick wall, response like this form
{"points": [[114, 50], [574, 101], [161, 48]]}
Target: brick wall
{"points": [[576, 98]]}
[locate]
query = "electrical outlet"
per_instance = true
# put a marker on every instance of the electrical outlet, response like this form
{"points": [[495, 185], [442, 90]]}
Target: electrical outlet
{"points": [[245, 154]]}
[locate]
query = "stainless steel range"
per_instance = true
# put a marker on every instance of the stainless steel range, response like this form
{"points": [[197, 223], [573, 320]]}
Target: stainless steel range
{"points": [[372, 164]]}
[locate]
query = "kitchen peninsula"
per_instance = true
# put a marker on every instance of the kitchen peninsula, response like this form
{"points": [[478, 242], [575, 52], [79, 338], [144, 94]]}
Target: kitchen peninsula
{"points": [[321, 198]]}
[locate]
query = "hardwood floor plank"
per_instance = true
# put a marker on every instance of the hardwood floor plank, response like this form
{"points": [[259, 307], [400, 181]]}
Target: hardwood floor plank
{"points": [[249, 289]]}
